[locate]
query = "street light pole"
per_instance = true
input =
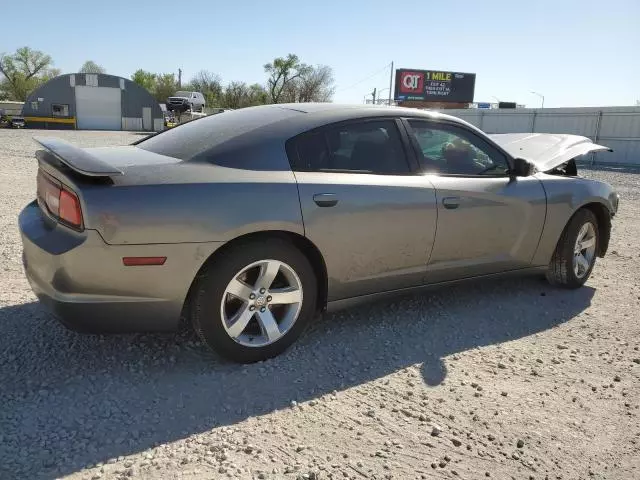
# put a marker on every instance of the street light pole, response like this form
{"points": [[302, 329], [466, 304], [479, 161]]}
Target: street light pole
{"points": [[541, 96], [390, 82]]}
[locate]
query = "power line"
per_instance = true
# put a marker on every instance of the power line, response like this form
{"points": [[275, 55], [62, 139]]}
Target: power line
{"points": [[365, 79]]}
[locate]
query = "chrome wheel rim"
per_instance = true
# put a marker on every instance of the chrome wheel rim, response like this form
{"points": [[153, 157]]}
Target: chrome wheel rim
{"points": [[261, 303], [585, 250]]}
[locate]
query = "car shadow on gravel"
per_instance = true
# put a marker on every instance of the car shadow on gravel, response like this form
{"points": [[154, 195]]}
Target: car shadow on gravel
{"points": [[71, 400]]}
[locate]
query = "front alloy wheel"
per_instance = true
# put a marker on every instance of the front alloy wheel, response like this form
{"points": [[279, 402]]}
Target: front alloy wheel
{"points": [[576, 251], [585, 250]]}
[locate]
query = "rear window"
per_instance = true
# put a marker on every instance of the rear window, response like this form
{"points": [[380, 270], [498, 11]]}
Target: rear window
{"points": [[198, 137]]}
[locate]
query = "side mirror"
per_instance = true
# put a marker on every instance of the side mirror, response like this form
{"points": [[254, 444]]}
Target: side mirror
{"points": [[522, 168]]}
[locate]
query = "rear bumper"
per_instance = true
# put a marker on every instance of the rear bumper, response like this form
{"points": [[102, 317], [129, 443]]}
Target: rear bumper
{"points": [[100, 315], [83, 281]]}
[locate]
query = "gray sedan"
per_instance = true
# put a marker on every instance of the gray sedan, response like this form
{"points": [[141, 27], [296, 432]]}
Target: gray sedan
{"points": [[248, 224]]}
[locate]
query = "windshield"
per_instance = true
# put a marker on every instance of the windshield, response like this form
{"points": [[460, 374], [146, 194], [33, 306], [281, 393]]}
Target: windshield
{"points": [[182, 94]]}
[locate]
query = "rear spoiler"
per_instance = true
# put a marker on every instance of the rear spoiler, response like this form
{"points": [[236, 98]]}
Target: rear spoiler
{"points": [[76, 158]]}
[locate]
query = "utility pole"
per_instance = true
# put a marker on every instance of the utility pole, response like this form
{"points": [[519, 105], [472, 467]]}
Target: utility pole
{"points": [[374, 95], [390, 82], [179, 78]]}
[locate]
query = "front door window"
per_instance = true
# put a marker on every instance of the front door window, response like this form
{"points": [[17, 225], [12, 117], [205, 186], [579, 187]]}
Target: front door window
{"points": [[452, 151]]}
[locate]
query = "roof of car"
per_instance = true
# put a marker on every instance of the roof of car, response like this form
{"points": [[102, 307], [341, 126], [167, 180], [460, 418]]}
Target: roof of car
{"points": [[312, 115], [356, 110]]}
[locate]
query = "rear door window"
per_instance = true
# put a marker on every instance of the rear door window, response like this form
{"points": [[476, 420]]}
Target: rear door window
{"points": [[310, 153], [358, 147]]}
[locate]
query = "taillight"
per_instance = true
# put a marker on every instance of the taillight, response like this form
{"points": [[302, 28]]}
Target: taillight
{"points": [[70, 208], [61, 202], [49, 193]]}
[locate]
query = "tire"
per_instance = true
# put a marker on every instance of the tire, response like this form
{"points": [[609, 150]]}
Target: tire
{"points": [[562, 268], [213, 321]]}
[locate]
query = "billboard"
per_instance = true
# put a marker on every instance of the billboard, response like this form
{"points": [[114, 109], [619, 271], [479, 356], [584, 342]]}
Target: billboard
{"points": [[434, 86]]}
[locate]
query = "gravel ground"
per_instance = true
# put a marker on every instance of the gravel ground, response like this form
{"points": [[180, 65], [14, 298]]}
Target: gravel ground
{"points": [[501, 379]]}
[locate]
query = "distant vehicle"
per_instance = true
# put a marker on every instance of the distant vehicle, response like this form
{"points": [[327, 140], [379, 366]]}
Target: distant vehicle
{"points": [[251, 222], [17, 122], [183, 101], [11, 121]]}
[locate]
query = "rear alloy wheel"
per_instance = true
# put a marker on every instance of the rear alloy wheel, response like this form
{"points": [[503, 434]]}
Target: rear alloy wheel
{"points": [[255, 301], [261, 303], [575, 254]]}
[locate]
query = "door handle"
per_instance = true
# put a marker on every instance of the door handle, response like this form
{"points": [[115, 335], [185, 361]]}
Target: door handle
{"points": [[451, 202], [325, 199]]}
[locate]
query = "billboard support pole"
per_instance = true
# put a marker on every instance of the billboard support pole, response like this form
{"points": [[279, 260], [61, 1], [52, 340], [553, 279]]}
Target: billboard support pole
{"points": [[390, 82]]}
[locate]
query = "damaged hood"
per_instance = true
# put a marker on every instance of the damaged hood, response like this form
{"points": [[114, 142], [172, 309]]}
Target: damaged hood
{"points": [[546, 150]]}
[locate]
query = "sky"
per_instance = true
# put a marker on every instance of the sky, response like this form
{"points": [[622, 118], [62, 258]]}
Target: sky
{"points": [[574, 52]]}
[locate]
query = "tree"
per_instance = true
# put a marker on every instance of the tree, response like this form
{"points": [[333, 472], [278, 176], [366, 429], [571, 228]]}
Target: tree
{"points": [[91, 67], [207, 83], [315, 84], [160, 85], [23, 72], [241, 95], [145, 79], [165, 86], [234, 95], [283, 71], [257, 95]]}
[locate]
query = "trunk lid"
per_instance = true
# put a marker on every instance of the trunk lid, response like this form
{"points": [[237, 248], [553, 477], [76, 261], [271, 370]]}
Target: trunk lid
{"points": [[546, 150]]}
